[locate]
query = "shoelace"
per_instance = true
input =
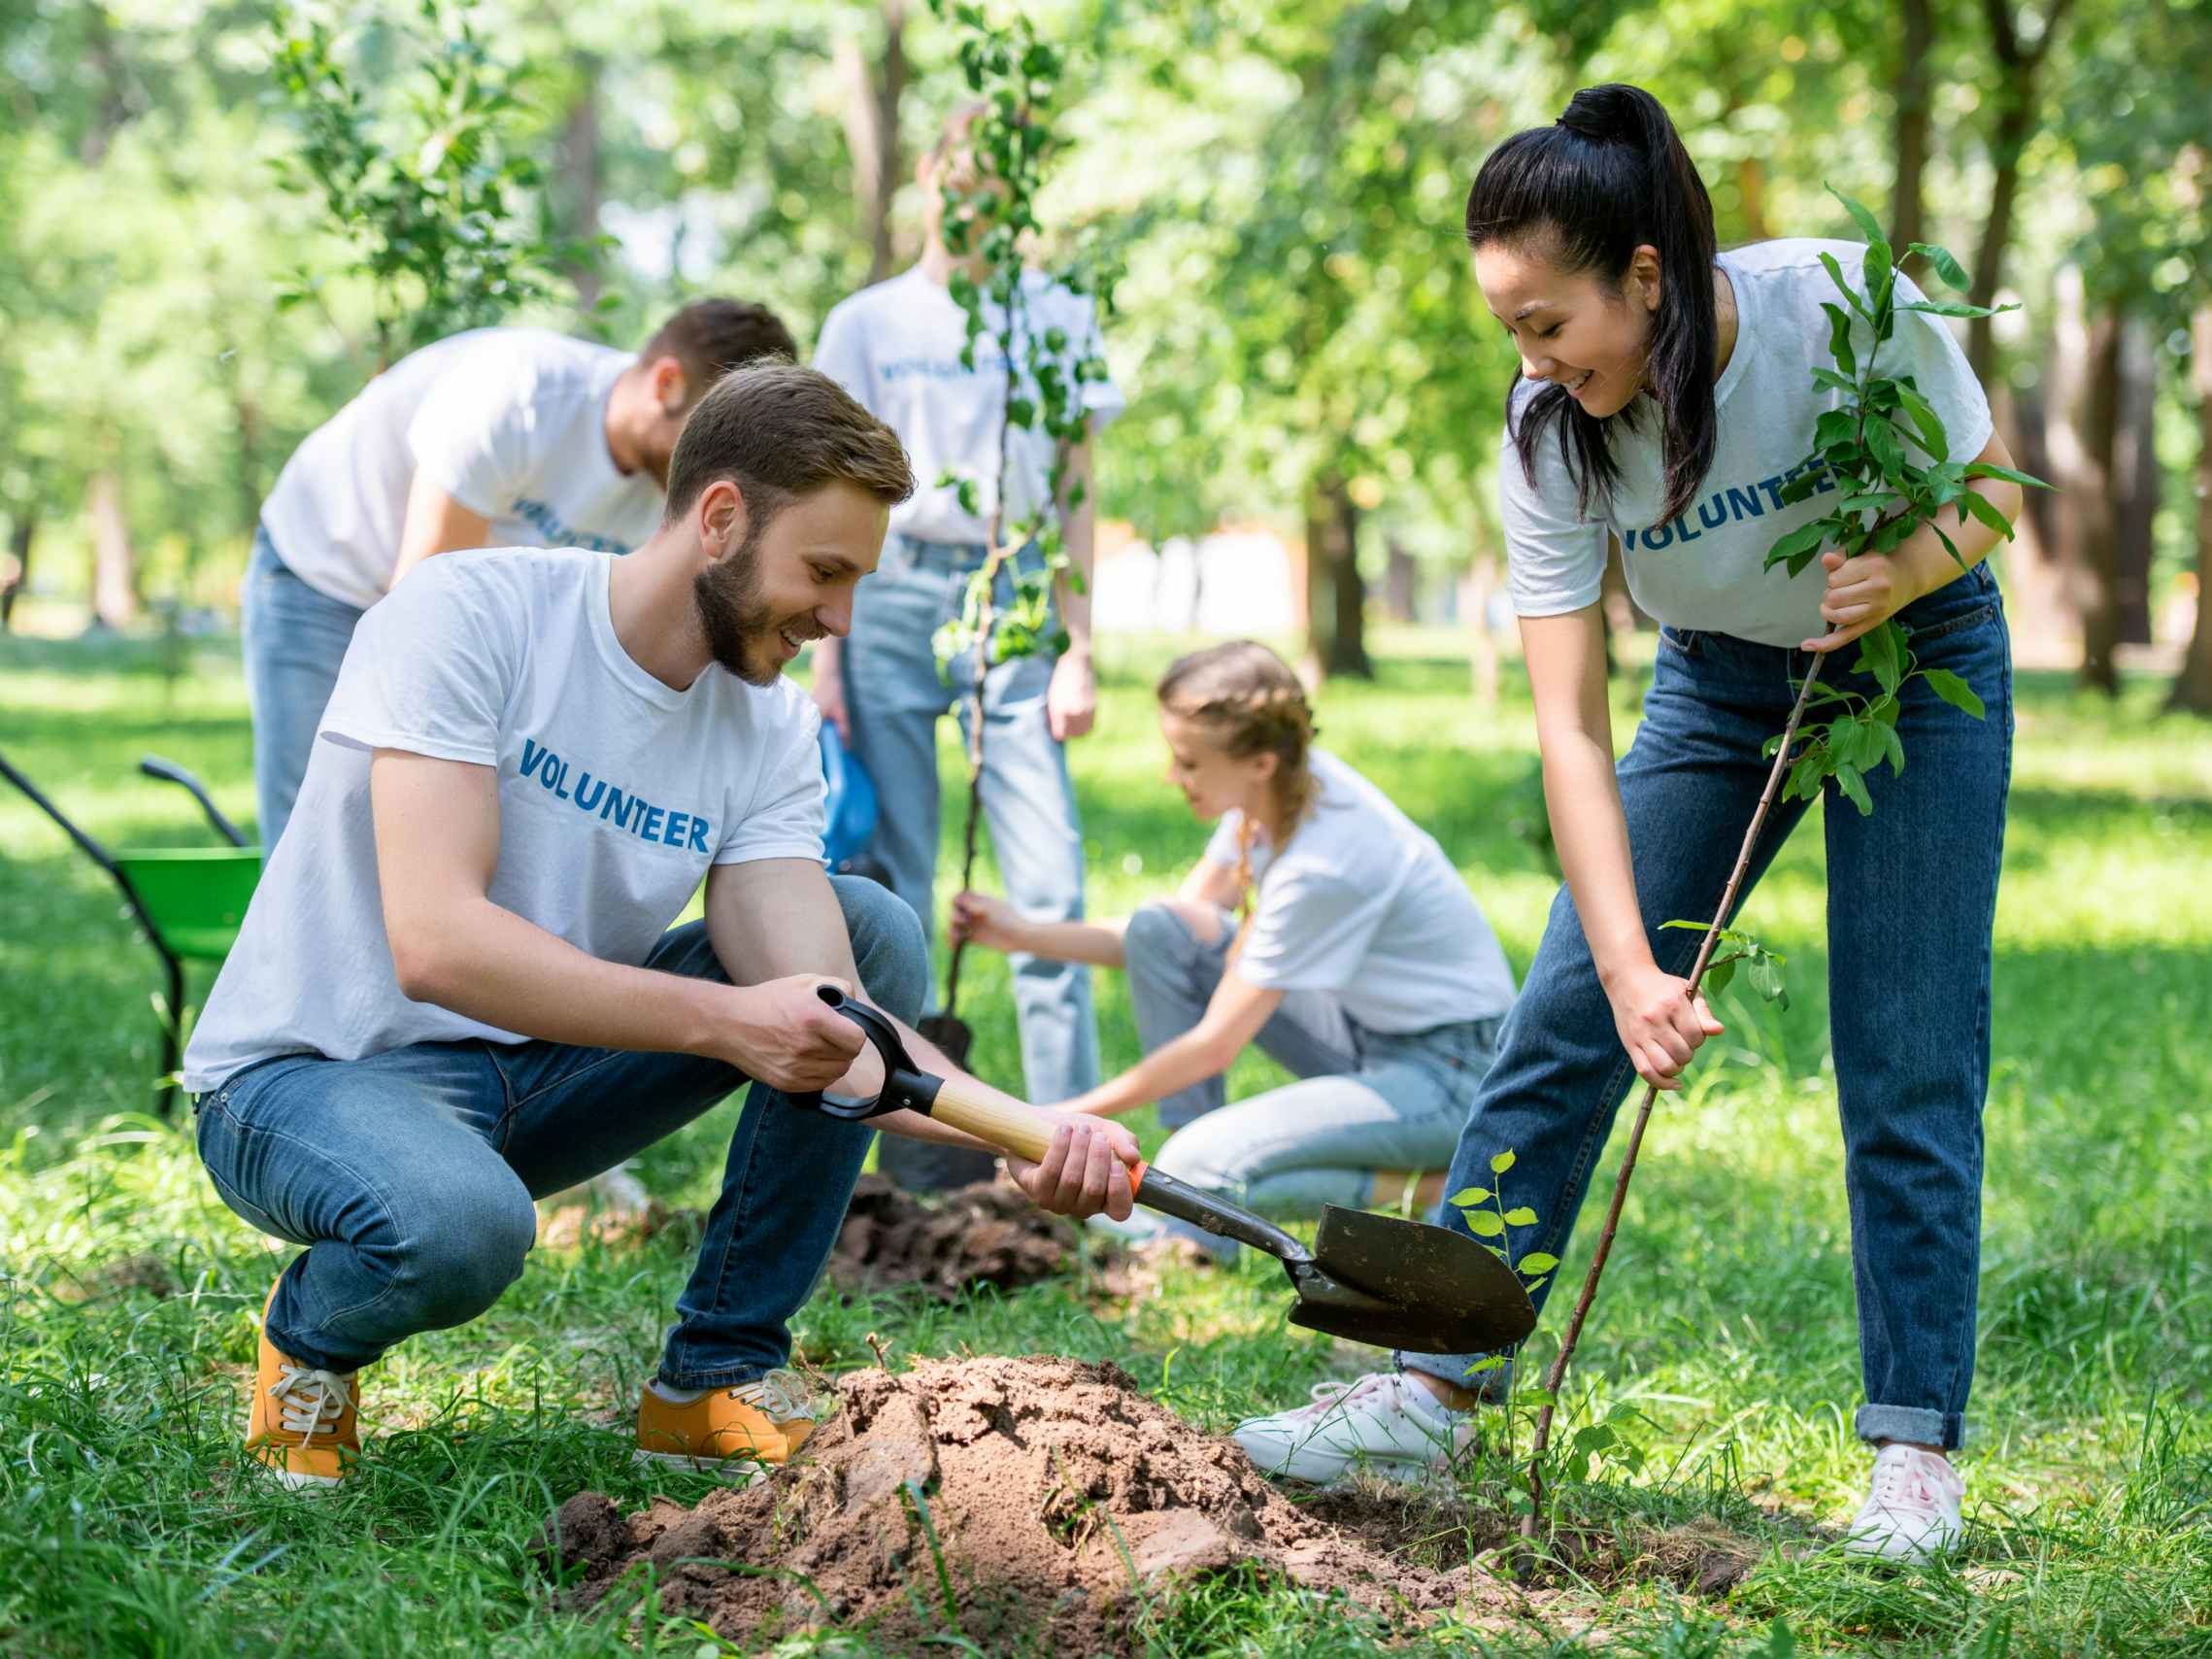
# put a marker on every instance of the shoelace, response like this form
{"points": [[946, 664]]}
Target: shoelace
{"points": [[782, 1394], [1328, 1396], [309, 1402], [1907, 1482]]}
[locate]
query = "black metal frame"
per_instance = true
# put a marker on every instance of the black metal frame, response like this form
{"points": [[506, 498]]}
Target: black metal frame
{"points": [[153, 766]]}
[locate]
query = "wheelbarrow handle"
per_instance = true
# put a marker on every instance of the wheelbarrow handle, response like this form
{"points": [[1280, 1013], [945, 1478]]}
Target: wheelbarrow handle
{"points": [[155, 767], [90, 848]]}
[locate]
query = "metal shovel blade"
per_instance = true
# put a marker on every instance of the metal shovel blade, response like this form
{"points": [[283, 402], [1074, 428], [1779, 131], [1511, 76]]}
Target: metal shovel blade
{"points": [[1405, 1284]]}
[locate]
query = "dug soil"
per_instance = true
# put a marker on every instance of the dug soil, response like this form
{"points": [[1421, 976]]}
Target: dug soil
{"points": [[1042, 1500], [985, 1234]]}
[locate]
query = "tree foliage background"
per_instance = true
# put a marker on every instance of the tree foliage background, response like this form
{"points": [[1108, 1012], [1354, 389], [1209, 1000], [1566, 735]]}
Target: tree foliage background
{"points": [[1299, 324]]}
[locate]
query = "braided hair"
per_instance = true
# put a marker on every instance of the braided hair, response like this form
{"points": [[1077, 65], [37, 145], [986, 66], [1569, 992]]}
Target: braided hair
{"points": [[1251, 703]]}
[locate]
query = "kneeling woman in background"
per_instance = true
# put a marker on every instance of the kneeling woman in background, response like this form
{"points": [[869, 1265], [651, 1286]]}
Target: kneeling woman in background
{"points": [[1323, 923]]}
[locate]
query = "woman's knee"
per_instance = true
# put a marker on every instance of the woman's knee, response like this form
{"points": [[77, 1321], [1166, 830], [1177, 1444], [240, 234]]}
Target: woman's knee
{"points": [[1166, 931]]}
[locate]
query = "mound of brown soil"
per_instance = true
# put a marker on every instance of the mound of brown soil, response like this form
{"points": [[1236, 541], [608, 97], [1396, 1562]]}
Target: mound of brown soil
{"points": [[985, 1234], [1045, 1495]]}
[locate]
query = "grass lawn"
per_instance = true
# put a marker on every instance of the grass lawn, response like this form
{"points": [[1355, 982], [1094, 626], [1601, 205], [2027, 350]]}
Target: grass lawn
{"points": [[1723, 1350]]}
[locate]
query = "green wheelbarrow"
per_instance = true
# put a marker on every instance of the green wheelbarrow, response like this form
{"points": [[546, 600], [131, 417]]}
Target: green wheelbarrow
{"points": [[189, 901]]}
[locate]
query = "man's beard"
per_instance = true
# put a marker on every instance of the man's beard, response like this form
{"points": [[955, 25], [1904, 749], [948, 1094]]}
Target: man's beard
{"points": [[732, 616]]}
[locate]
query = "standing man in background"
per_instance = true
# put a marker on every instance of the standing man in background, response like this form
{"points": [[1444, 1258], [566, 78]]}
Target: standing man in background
{"points": [[896, 346], [499, 437]]}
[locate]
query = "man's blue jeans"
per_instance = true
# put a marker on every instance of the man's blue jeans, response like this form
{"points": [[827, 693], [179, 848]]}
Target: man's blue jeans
{"points": [[895, 695], [410, 1175], [1912, 899], [294, 638]]}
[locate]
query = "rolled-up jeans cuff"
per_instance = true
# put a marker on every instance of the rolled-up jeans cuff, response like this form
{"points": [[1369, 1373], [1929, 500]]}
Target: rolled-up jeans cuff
{"points": [[1915, 1424], [1457, 1369]]}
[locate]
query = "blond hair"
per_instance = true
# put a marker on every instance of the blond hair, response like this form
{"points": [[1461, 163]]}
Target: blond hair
{"points": [[1249, 703]]}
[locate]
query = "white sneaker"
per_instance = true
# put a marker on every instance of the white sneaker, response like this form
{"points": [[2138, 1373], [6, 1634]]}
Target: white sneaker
{"points": [[1912, 1513], [1385, 1423]]}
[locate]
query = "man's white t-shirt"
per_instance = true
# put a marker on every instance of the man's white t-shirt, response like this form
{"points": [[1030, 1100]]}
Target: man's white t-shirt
{"points": [[510, 423], [1361, 903], [1704, 569], [896, 348], [616, 792]]}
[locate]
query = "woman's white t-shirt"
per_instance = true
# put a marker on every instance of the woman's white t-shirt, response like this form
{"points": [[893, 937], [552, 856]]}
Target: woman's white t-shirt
{"points": [[1363, 904], [1704, 569]]}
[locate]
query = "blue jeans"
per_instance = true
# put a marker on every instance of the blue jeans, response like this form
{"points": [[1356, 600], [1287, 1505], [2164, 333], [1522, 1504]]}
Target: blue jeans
{"points": [[1912, 900], [410, 1175], [1365, 1101], [295, 639], [894, 695]]}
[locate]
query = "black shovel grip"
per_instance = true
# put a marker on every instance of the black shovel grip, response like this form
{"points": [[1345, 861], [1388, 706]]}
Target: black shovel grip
{"points": [[905, 1089]]}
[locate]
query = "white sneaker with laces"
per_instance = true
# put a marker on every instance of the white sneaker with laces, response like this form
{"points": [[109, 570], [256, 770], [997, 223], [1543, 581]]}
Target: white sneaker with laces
{"points": [[1385, 1423], [1912, 1512]]}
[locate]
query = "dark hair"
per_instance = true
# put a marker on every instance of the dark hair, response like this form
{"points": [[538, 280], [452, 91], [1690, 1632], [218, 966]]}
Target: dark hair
{"points": [[780, 431], [1609, 176], [710, 337]]}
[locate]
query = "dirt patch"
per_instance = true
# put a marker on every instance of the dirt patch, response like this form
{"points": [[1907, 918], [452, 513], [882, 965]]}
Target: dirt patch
{"points": [[985, 1234], [1040, 1496]]}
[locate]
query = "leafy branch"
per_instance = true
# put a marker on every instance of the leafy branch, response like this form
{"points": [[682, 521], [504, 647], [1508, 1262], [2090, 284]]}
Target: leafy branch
{"points": [[1017, 76], [426, 188]]}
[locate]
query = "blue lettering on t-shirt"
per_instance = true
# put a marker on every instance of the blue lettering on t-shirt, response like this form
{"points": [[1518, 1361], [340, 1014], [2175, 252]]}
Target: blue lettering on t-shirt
{"points": [[1731, 504], [625, 810], [557, 531]]}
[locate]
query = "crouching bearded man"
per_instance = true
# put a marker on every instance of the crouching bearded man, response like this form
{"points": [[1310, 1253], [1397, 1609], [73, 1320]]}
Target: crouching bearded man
{"points": [[458, 987]]}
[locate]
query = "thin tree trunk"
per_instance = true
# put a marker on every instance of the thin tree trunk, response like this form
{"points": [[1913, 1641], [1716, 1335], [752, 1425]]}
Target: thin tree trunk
{"points": [[2192, 686], [1332, 573], [22, 532], [2136, 481], [2016, 66], [1912, 123], [2099, 551], [1483, 665], [1751, 192], [114, 560], [871, 105], [2077, 424], [582, 177]]}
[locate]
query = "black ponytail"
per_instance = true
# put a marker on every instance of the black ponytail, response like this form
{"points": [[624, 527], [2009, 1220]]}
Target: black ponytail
{"points": [[1607, 177]]}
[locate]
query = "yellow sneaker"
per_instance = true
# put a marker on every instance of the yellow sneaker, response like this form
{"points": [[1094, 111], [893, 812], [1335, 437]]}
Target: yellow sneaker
{"points": [[304, 1428], [742, 1432]]}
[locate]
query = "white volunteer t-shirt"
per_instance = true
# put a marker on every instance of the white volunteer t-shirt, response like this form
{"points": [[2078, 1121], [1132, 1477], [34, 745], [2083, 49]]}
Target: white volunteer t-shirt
{"points": [[510, 423], [1704, 569], [615, 794], [1363, 904], [896, 348]]}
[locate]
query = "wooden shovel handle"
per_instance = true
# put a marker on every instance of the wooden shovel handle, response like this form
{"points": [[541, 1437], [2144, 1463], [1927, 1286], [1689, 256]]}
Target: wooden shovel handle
{"points": [[1024, 1130]]}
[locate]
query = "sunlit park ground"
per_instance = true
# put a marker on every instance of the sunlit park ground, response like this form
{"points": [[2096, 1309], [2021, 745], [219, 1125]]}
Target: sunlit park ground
{"points": [[126, 1291]]}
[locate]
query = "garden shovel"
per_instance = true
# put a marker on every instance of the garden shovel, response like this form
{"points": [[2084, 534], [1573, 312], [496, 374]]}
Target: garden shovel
{"points": [[1368, 1278]]}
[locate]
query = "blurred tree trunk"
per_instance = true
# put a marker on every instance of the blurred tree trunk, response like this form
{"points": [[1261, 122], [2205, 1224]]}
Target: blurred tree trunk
{"points": [[1337, 602], [582, 177], [2136, 481], [872, 95], [2078, 424], [2019, 64], [2192, 686], [22, 532], [1909, 209], [1475, 591], [1751, 190], [115, 560]]}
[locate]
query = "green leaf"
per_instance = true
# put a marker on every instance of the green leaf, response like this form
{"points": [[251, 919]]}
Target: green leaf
{"points": [[1520, 1215], [1467, 1197], [1834, 426], [1485, 1222], [1489, 1362], [1849, 779], [1535, 1285], [1949, 269], [1839, 338], [1985, 510], [1835, 272], [1501, 1163], [1892, 747], [1953, 691], [1766, 979], [1693, 926], [1989, 469], [1801, 542], [1869, 227], [1949, 308], [1932, 438], [1718, 974], [1882, 444], [1537, 1261], [1882, 652]]}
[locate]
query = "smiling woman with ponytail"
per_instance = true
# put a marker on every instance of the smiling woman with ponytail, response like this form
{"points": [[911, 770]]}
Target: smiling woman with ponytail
{"points": [[1665, 396]]}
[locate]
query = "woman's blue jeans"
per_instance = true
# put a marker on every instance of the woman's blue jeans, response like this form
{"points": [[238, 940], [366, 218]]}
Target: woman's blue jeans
{"points": [[295, 639], [1912, 899], [410, 1175]]}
